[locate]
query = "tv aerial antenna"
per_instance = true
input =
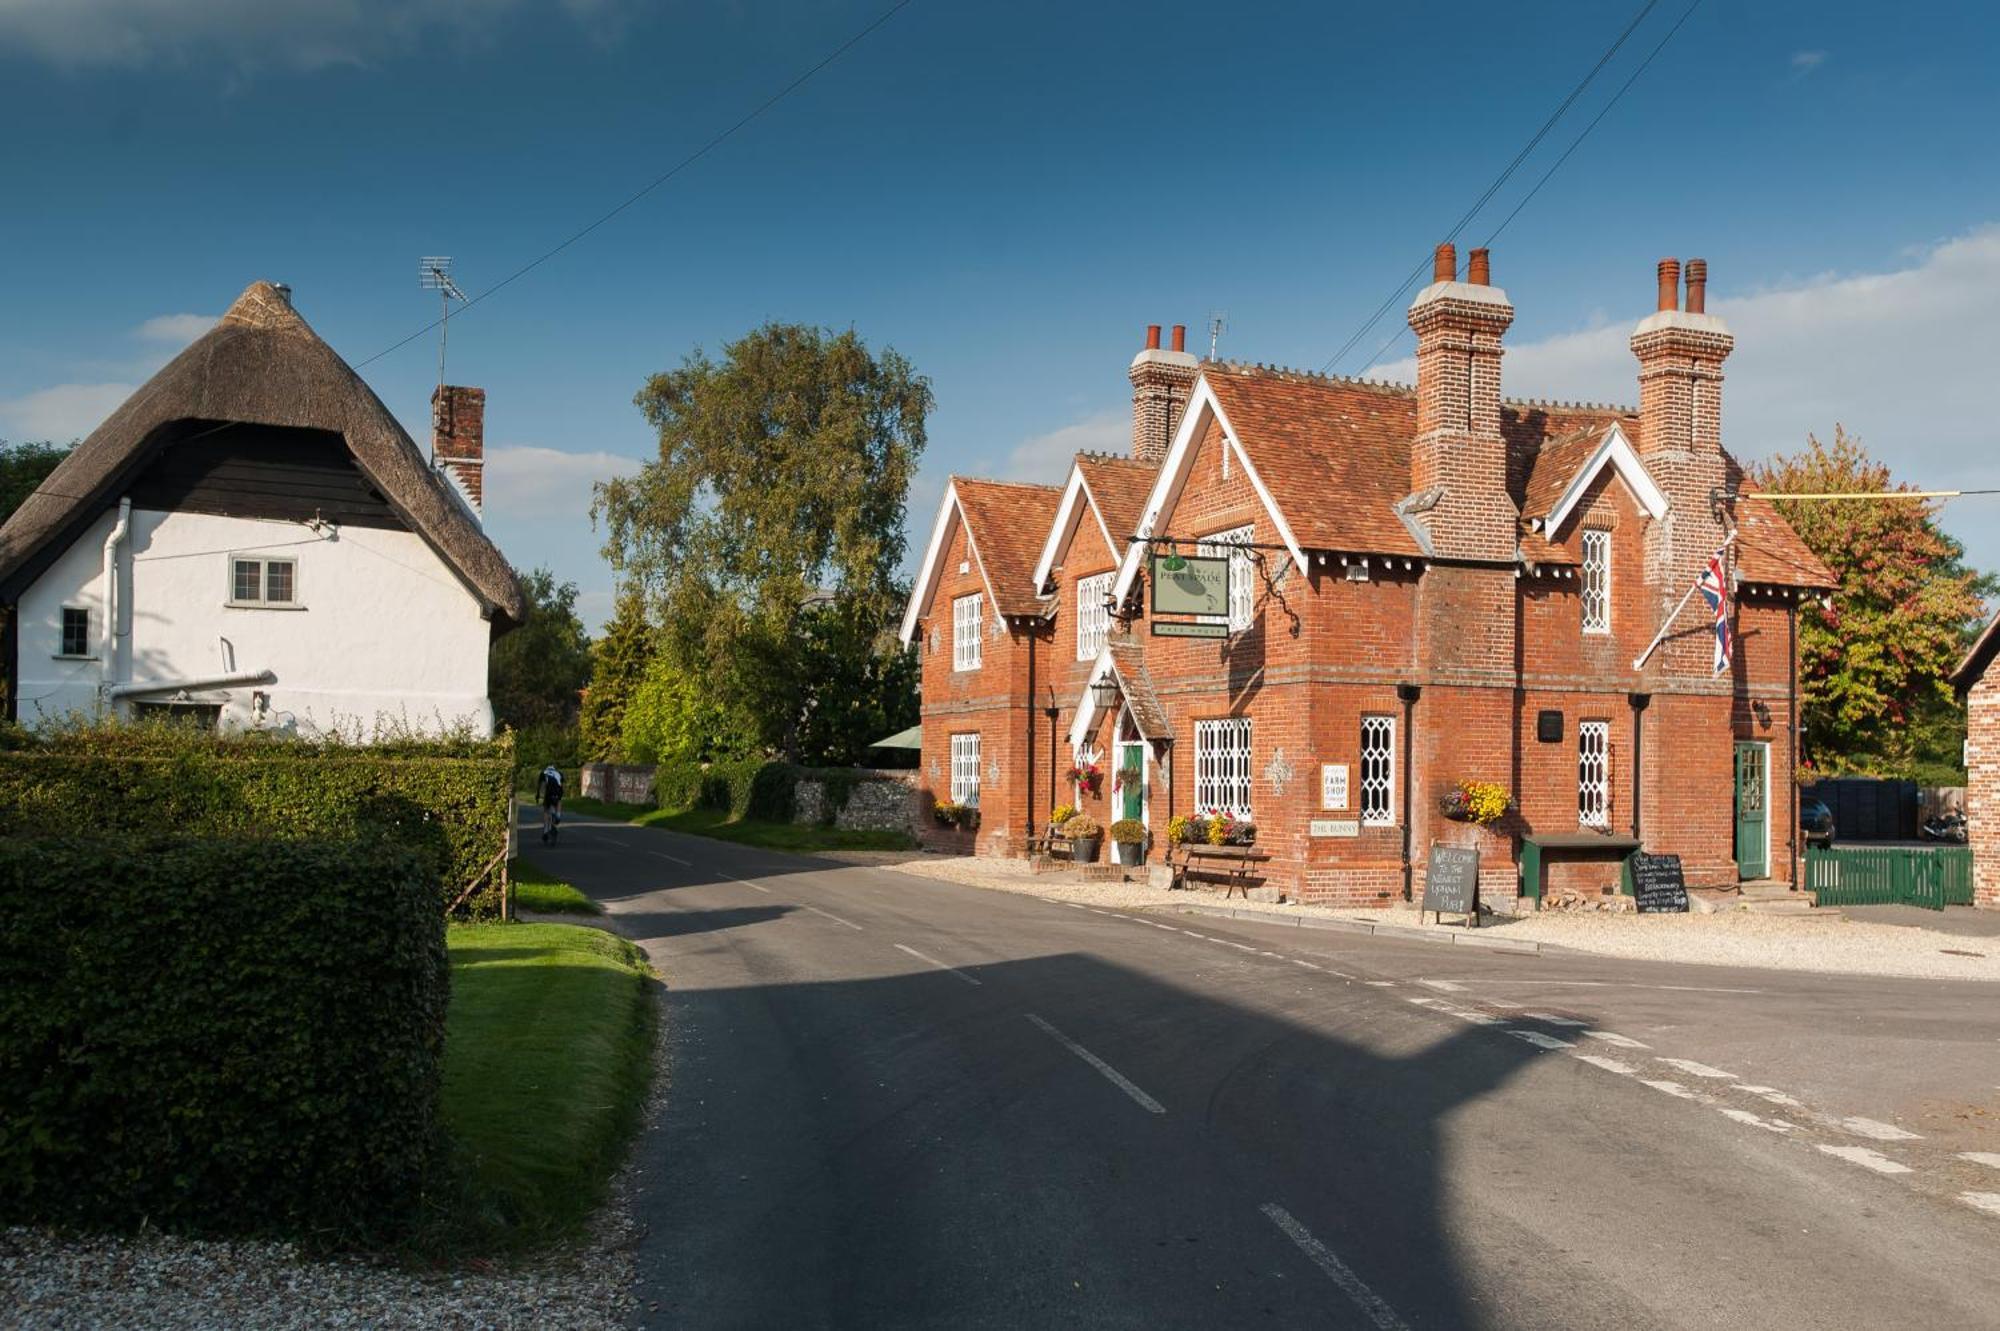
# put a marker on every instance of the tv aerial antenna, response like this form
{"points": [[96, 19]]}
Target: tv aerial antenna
{"points": [[1218, 323], [434, 274]]}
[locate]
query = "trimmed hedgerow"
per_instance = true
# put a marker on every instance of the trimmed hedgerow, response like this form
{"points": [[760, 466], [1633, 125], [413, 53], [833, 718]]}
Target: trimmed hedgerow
{"points": [[449, 800], [219, 1036], [751, 788]]}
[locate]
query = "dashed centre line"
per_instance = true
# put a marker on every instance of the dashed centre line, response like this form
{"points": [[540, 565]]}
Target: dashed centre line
{"points": [[831, 916], [1694, 1069], [685, 864], [1613, 1038], [1608, 1064], [1109, 1073], [1876, 1130], [971, 980], [1353, 1286], [1866, 1158]]}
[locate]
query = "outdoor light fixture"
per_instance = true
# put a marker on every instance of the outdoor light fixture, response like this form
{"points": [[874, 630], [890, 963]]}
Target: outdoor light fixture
{"points": [[1105, 691]]}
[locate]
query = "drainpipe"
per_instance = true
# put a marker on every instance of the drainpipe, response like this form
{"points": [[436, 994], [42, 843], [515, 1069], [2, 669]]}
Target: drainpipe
{"points": [[1638, 702], [1408, 693], [107, 638], [1028, 813], [198, 684], [1792, 706]]}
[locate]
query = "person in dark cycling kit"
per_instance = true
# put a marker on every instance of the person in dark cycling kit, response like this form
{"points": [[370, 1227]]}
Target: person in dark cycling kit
{"points": [[549, 793]]}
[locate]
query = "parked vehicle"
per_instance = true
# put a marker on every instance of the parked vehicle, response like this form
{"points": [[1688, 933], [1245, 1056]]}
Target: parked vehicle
{"points": [[1946, 826], [1816, 823]]}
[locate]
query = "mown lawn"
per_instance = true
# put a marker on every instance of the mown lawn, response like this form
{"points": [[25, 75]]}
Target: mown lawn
{"points": [[548, 1051], [716, 823], [538, 890]]}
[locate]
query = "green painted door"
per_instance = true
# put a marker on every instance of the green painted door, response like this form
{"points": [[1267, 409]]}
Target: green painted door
{"points": [[1131, 781], [1753, 824]]}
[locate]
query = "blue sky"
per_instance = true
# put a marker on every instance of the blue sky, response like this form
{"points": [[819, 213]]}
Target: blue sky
{"points": [[1007, 195]]}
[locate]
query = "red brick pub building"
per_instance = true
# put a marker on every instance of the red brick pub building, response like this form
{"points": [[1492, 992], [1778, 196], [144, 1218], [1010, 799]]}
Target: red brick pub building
{"points": [[1425, 585]]}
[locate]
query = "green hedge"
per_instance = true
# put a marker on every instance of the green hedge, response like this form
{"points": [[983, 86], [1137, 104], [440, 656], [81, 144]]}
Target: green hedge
{"points": [[750, 788], [219, 1036], [448, 800]]}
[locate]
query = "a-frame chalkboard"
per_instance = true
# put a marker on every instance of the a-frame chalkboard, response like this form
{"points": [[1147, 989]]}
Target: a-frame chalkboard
{"points": [[1451, 883]]}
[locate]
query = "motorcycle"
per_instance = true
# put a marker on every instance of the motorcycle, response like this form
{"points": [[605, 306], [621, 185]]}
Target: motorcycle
{"points": [[1947, 826]]}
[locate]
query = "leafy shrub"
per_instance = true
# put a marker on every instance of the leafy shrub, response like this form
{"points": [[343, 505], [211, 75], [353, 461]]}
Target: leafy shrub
{"points": [[1182, 829], [1061, 814], [1128, 832], [220, 1036], [450, 800], [1083, 825], [962, 816], [537, 746]]}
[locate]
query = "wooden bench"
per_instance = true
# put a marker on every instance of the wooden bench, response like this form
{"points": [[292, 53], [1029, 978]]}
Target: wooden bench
{"points": [[1052, 843], [1232, 866]]}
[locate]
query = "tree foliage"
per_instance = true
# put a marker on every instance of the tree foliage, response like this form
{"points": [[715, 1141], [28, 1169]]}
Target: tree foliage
{"points": [[618, 663], [1873, 666], [22, 468], [768, 532], [539, 670]]}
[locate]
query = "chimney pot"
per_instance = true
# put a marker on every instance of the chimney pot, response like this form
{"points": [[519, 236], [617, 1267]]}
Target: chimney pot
{"points": [[1480, 269], [1152, 337], [1697, 293], [1444, 264], [1180, 337], [1670, 284]]}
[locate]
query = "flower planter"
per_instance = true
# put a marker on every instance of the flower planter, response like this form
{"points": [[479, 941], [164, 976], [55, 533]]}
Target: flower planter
{"points": [[1128, 852], [1085, 851]]}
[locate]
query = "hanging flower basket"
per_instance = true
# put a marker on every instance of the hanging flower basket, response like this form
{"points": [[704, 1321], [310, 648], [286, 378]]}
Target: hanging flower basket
{"points": [[1088, 776], [1481, 802]]}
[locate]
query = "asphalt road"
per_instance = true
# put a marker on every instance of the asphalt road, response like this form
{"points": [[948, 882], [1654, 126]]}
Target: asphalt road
{"points": [[896, 1103]]}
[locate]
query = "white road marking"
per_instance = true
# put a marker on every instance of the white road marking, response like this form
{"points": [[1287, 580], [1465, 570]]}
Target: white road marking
{"points": [[1987, 1158], [1988, 1202], [1307, 964], [1878, 1131], [1192, 934], [1111, 1074], [1620, 984], [835, 918], [1443, 986], [939, 964], [1383, 984], [1541, 1041], [1608, 1064], [1672, 1088], [685, 864], [1768, 1124], [747, 883], [1366, 1299], [1694, 1069], [1867, 1159], [1613, 1038], [1552, 1019], [1774, 1095]]}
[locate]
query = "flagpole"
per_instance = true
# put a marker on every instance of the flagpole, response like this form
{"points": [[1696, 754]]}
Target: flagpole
{"points": [[1693, 587]]}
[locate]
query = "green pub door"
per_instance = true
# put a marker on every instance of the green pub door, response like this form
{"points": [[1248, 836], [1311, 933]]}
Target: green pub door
{"points": [[1753, 821]]}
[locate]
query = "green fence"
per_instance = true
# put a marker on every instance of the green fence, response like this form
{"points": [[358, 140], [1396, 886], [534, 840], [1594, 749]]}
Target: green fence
{"points": [[1891, 876]]}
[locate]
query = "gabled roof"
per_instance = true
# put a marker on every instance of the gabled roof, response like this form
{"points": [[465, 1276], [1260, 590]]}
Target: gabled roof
{"points": [[1973, 668], [1768, 551], [1003, 521], [1564, 469], [1123, 660], [1110, 490], [263, 365]]}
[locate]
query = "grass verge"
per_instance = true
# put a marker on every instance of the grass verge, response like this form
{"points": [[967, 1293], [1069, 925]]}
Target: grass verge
{"points": [[537, 890], [548, 1051], [797, 837]]}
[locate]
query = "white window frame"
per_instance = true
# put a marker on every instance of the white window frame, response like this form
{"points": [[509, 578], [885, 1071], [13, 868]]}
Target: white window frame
{"points": [[1222, 766], [1093, 615], [965, 769], [263, 601], [89, 638], [1593, 773], [966, 614], [1242, 583], [1595, 581], [1378, 769]]}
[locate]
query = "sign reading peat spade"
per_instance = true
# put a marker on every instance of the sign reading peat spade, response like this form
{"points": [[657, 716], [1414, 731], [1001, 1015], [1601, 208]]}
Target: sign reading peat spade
{"points": [[1190, 584], [1657, 885], [1451, 883]]}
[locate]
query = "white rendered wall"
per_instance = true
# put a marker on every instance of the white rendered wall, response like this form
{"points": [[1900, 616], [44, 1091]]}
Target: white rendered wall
{"points": [[387, 633]]}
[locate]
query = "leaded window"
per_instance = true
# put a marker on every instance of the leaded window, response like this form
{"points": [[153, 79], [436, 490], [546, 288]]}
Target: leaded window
{"points": [[1597, 582], [1378, 770], [965, 625], [1093, 615], [965, 769], [1222, 766], [1242, 576], [1593, 773]]}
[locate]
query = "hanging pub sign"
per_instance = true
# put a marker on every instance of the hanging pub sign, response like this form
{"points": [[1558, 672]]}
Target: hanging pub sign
{"points": [[1190, 584], [1177, 628]]}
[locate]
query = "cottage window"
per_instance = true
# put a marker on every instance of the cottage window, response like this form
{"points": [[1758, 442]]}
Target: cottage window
{"points": [[965, 625], [1593, 773], [264, 582], [1222, 766], [1378, 771], [965, 769], [75, 631], [1242, 576], [1597, 582], [1093, 616]]}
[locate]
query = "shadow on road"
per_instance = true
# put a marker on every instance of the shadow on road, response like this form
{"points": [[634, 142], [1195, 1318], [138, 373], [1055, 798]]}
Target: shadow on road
{"points": [[680, 923]]}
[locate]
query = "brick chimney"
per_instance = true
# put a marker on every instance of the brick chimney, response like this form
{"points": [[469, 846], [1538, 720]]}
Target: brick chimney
{"points": [[1681, 349], [1161, 383], [1458, 461], [458, 439]]}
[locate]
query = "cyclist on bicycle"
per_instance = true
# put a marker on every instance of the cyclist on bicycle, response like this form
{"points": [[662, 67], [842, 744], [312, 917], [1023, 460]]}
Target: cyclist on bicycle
{"points": [[549, 793]]}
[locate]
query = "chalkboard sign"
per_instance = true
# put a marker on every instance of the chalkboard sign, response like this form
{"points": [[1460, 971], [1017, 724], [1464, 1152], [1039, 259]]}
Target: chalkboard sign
{"points": [[1451, 883], [1657, 885]]}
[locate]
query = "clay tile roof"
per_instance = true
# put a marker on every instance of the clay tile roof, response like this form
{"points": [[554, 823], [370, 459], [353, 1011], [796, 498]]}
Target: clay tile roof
{"points": [[1128, 657], [1973, 668], [262, 364], [1009, 521], [1769, 551], [1120, 486], [1555, 465]]}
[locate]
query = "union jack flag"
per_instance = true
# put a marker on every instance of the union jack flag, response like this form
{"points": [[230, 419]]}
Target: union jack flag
{"points": [[1714, 586]]}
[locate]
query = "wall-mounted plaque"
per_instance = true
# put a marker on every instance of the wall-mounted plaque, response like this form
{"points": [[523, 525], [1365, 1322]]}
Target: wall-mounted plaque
{"points": [[1335, 827], [1333, 785]]}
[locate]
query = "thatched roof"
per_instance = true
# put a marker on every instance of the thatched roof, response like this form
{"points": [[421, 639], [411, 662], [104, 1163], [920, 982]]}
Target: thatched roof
{"points": [[261, 364]]}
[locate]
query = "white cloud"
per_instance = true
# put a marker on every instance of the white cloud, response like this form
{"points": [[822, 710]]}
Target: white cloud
{"points": [[1805, 62], [1903, 359], [1046, 457], [549, 485], [62, 412], [256, 34], [177, 329]]}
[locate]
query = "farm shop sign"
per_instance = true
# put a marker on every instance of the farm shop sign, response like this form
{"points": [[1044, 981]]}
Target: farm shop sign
{"points": [[1190, 584]]}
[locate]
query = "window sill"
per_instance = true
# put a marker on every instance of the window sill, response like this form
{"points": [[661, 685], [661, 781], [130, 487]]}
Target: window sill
{"points": [[257, 605], [66, 656]]}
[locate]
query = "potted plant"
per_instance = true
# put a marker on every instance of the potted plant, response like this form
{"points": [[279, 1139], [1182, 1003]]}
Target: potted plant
{"points": [[1086, 834], [1087, 775], [1226, 829], [1061, 814], [963, 817], [1128, 841], [1481, 802]]}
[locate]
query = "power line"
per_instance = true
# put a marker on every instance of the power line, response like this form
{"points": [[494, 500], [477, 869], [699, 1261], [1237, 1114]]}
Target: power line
{"points": [[1497, 182], [659, 180]]}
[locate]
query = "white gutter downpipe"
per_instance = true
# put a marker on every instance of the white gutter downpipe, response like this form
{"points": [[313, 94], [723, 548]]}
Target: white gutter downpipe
{"points": [[107, 640], [193, 685]]}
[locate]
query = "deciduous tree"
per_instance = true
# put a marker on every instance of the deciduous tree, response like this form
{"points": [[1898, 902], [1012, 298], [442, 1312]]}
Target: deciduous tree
{"points": [[618, 662], [538, 671]]}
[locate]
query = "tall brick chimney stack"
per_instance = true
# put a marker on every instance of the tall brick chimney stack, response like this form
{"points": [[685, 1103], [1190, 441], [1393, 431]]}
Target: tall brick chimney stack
{"points": [[1161, 382], [1681, 350], [458, 439], [1458, 461]]}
